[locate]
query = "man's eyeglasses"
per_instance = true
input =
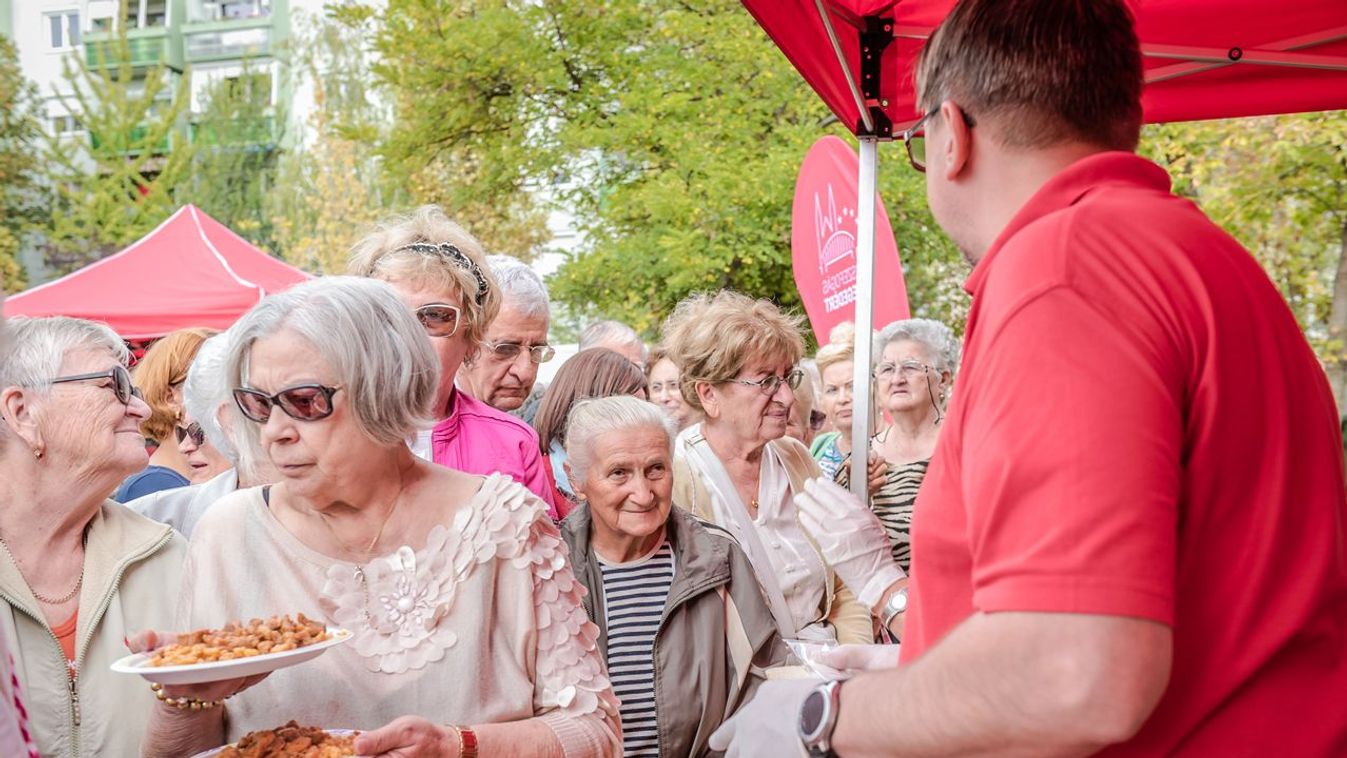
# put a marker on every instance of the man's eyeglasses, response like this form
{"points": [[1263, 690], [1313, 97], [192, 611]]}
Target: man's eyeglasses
{"points": [[439, 319], [121, 382], [769, 383], [303, 402], [192, 430], [508, 351], [914, 139], [908, 369]]}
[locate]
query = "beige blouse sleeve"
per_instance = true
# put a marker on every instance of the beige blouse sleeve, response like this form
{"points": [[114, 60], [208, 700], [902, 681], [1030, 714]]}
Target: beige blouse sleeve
{"points": [[572, 693]]}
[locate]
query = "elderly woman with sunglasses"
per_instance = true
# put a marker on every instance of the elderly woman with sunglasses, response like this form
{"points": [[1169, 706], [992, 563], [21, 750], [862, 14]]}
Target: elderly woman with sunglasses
{"points": [[736, 468], [469, 633], [440, 271], [77, 571]]}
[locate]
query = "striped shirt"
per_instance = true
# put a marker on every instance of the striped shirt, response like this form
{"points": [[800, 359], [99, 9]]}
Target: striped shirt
{"points": [[893, 504], [633, 599]]}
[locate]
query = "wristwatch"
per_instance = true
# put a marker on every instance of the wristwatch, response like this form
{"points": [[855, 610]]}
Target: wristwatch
{"points": [[818, 718], [897, 604]]}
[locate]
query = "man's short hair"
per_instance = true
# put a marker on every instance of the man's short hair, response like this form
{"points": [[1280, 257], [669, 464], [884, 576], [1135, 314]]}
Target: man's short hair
{"points": [[1044, 71]]}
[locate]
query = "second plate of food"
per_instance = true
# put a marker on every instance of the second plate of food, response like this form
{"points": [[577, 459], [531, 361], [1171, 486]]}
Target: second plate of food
{"points": [[204, 656]]}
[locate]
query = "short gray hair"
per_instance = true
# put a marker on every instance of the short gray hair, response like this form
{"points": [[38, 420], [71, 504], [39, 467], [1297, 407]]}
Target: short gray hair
{"points": [[938, 339], [613, 332], [592, 417], [205, 390], [520, 286], [362, 329], [38, 346]]}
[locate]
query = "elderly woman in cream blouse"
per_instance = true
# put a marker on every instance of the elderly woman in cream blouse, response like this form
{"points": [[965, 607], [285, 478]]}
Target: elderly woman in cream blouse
{"points": [[469, 634], [737, 469]]}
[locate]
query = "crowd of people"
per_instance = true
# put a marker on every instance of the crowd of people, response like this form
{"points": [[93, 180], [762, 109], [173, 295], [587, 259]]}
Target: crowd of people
{"points": [[1111, 519]]}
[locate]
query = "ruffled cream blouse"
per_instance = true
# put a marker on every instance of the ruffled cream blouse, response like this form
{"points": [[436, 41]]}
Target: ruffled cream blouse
{"points": [[481, 624]]}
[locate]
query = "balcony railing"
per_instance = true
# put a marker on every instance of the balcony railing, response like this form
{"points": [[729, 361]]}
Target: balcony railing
{"points": [[224, 40], [137, 134], [144, 48], [238, 133]]}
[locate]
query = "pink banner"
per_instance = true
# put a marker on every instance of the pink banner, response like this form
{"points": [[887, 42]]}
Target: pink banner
{"points": [[823, 242]]}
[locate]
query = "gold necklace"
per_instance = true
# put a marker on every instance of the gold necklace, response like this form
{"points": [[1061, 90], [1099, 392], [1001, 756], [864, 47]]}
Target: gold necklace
{"points": [[377, 535], [40, 597]]}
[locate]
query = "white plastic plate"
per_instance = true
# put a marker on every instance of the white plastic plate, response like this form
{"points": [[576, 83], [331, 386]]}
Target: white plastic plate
{"points": [[216, 671]]}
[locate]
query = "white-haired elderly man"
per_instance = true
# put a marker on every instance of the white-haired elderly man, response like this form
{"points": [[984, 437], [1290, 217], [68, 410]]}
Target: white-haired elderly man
{"points": [[618, 337], [503, 373], [206, 398]]}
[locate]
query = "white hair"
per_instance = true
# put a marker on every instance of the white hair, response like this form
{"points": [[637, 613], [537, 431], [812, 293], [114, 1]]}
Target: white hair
{"points": [[938, 339], [520, 286], [593, 417], [35, 348], [38, 347], [205, 390], [384, 363], [611, 333]]}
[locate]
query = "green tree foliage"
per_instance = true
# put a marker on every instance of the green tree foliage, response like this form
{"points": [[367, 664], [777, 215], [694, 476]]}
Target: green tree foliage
{"points": [[236, 146], [121, 184], [330, 184], [1279, 185], [18, 164], [673, 131]]}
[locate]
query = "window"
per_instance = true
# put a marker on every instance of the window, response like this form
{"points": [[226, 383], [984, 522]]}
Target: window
{"points": [[64, 29], [65, 124]]}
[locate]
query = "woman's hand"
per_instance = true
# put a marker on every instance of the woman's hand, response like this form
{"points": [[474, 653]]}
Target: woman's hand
{"points": [[877, 471], [150, 639], [409, 737]]}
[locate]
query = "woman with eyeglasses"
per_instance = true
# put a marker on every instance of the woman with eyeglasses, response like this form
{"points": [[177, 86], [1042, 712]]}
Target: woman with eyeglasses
{"points": [[469, 634], [917, 361], [737, 469], [440, 271], [160, 375], [78, 571], [661, 375], [204, 461]]}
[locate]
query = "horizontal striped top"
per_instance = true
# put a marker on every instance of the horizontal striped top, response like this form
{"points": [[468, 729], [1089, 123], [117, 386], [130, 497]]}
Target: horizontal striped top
{"points": [[633, 598]]}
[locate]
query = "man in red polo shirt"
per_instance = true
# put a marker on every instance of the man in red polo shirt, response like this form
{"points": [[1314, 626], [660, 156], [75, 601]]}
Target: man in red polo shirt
{"points": [[1131, 540]]}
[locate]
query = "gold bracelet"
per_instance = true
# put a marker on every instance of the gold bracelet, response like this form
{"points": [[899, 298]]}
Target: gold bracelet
{"points": [[183, 703]]}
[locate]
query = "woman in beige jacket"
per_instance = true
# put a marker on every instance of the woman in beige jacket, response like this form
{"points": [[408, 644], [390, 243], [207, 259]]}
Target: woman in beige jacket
{"points": [[78, 572], [737, 469]]}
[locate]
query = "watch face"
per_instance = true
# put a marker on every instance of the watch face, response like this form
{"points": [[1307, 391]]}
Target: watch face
{"points": [[811, 714]]}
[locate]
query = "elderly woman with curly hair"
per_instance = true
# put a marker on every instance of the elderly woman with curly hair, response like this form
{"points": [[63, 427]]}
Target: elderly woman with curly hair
{"points": [[77, 571], [737, 469], [440, 270], [682, 622], [468, 629], [160, 376]]}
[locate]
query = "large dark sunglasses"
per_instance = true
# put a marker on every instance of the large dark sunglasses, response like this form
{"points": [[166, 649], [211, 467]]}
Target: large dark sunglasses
{"points": [[439, 319], [192, 430], [121, 382], [303, 402]]}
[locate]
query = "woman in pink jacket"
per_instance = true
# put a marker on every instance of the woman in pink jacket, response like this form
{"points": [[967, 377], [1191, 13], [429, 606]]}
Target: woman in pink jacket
{"points": [[440, 270]]}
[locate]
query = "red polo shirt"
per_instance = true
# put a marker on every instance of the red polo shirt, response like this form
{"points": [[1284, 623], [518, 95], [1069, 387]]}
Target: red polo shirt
{"points": [[1140, 429]]}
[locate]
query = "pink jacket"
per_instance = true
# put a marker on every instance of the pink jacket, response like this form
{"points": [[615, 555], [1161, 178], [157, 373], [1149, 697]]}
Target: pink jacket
{"points": [[478, 439]]}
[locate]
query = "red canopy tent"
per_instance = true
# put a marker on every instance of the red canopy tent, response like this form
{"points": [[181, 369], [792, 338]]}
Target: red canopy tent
{"points": [[191, 271], [1204, 59]]}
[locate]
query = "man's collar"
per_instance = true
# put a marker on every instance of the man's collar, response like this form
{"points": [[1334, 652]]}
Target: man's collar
{"points": [[1067, 188]]}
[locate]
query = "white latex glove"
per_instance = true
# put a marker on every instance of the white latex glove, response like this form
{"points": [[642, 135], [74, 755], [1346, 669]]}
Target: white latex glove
{"points": [[768, 726], [853, 541], [853, 659]]}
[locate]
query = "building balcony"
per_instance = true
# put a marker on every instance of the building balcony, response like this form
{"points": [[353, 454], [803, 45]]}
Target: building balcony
{"points": [[144, 48], [137, 134], [240, 134], [228, 40]]}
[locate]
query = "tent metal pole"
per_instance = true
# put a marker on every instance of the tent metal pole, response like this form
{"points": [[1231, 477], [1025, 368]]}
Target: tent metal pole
{"points": [[846, 70], [865, 296]]}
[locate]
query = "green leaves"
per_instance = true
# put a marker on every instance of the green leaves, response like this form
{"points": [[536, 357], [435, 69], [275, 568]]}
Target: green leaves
{"points": [[18, 164], [672, 132]]}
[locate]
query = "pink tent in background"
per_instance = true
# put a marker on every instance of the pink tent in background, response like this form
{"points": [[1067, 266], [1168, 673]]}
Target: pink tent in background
{"points": [[191, 271]]}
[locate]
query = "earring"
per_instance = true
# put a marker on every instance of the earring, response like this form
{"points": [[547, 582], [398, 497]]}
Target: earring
{"points": [[37, 453]]}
